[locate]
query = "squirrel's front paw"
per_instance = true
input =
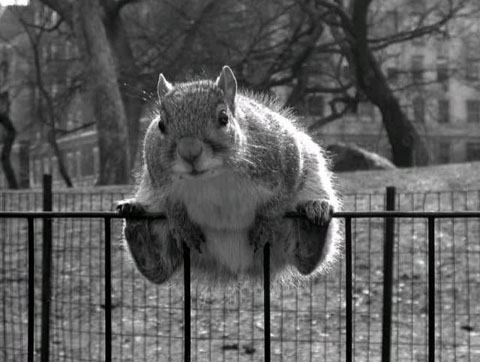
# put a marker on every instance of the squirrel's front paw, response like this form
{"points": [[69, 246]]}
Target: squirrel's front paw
{"points": [[318, 212], [130, 207]]}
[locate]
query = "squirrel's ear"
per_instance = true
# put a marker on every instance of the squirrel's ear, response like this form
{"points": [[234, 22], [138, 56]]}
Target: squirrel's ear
{"points": [[228, 84], [163, 86]]}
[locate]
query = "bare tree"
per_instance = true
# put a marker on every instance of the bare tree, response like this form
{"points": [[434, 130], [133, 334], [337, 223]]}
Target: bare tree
{"points": [[87, 19], [8, 141], [46, 109]]}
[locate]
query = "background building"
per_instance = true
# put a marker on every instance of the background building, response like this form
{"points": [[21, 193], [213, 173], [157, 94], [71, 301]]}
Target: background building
{"points": [[437, 80]]}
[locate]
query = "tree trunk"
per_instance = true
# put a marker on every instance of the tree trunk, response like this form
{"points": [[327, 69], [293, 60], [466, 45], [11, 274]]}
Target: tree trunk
{"points": [[127, 67], [408, 147], [52, 140], [6, 122], [104, 93]]}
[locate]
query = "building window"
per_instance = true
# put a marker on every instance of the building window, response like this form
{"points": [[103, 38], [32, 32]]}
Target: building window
{"points": [[419, 41], [443, 111], [87, 162], [471, 69], [473, 111], [419, 109], [68, 50], [47, 167], [443, 155], [315, 105], [473, 151], [442, 71], [442, 46], [38, 171], [417, 68]]}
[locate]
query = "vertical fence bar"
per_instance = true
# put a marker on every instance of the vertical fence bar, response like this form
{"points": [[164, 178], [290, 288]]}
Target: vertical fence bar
{"points": [[266, 299], [46, 269], [431, 289], [349, 289], [388, 278], [187, 308], [108, 290], [31, 289]]}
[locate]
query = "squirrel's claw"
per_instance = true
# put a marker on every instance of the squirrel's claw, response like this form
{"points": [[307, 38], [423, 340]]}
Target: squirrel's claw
{"points": [[129, 208], [318, 212]]}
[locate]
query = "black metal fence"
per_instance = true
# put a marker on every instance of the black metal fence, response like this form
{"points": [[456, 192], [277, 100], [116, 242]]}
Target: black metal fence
{"points": [[407, 289]]}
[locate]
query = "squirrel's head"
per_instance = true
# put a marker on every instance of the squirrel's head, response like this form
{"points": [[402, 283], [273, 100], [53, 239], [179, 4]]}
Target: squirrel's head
{"points": [[195, 130]]}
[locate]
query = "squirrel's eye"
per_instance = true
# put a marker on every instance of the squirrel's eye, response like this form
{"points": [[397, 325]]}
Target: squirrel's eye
{"points": [[161, 126], [223, 118]]}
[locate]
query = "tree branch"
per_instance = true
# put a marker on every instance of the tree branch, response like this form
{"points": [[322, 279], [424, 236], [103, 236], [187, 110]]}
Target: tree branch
{"points": [[340, 12], [335, 113]]}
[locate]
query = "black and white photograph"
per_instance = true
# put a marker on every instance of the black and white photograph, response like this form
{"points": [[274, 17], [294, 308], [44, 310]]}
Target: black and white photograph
{"points": [[240, 180]]}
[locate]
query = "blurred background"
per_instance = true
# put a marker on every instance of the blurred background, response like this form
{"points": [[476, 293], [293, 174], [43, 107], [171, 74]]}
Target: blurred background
{"points": [[380, 84]]}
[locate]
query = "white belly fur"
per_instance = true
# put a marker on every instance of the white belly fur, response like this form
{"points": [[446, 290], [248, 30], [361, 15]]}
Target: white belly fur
{"points": [[224, 207]]}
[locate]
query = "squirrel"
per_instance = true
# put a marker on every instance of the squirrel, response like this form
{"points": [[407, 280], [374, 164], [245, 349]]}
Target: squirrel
{"points": [[225, 166]]}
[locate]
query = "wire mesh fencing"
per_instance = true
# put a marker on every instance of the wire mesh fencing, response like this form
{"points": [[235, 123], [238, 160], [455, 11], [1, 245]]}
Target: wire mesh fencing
{"points": [[308, 324]]}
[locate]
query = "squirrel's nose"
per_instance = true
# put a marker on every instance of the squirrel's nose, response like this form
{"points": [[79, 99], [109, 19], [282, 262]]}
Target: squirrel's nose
{"points": [[189, 148]]}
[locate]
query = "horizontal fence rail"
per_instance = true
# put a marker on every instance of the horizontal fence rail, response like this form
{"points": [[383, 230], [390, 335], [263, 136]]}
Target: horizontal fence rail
{"points": [[342, 214]]}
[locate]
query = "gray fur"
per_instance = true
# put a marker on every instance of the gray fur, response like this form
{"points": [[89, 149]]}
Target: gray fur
{"points": [[266, 162]]}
